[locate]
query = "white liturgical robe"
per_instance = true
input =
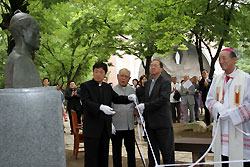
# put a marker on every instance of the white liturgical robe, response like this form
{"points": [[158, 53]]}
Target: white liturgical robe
{"points": [[232, 100]]}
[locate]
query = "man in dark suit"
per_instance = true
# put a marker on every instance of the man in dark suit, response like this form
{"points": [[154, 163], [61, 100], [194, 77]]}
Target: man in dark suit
{"points": [[157, 114], [97, 96], [204, 85], [72, 94]]}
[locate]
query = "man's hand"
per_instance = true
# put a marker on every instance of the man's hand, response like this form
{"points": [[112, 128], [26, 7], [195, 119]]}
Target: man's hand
{"points": [[132, 97], [141, 107], [225, 116], [205, 83], [113, 129], [107, 110]]}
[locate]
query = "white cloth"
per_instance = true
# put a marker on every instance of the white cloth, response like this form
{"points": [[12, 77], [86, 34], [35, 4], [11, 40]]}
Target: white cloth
{"points": [[238, 114], [132, 97], [177, 86]]}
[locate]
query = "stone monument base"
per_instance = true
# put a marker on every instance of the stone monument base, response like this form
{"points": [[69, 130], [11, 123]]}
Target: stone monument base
{"points": [[31, 128]]}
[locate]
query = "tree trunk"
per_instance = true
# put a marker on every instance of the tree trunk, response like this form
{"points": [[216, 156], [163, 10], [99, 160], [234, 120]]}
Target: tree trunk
{"points": [[148, 62], [199, 52], [214, 59]]}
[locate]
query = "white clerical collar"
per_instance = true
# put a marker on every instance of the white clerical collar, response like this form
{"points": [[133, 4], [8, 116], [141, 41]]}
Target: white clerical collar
{"points": [[99, 84], [232, 73]]}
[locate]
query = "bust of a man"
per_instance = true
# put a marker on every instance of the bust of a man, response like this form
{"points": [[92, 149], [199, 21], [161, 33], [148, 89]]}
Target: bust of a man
{"points": [[20, 70]]}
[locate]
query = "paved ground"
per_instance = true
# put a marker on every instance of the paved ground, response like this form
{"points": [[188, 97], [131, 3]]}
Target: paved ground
{"points": [[180, 157]]}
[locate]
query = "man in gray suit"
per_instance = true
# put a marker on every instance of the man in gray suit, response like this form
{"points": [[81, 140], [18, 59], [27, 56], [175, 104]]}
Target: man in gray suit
{"points": [[158, 116], [123, 122], [187, 92]]}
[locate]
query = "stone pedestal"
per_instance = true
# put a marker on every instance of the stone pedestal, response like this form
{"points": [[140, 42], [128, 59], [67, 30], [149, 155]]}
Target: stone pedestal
{"points": [[31, 128]]}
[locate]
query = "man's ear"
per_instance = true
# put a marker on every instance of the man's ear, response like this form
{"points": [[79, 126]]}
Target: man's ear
{"points": [[235, 60]]}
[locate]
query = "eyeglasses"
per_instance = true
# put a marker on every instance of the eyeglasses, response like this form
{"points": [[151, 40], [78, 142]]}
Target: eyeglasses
{"points": [[154, 65], [124, 76]]}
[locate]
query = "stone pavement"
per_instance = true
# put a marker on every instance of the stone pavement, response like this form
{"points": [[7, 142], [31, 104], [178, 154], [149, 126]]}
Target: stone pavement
{"points": [[180, 157]]}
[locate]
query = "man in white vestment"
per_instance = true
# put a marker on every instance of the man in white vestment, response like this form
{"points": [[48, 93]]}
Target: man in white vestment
{"points": [[229, 99]]}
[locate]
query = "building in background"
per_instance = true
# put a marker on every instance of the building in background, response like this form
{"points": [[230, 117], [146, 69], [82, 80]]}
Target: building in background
{"points": [[183, 62]]}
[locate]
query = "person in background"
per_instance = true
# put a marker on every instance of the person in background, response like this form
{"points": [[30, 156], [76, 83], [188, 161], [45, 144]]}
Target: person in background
{"points": [[175, 104], [140, 93], [135, 83], [72, 94], [123, 121], [204, 85], [196, 98], [46, 82], [182, 110], [62, 98], [187, 94]]}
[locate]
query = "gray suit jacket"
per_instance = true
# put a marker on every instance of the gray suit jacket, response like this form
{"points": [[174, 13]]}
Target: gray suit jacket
{"points": [[188, 98]]}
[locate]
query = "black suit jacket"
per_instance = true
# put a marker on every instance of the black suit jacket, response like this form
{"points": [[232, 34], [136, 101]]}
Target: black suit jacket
{"points": [[157, 113], [73, 101], [95, 120], [204, 89]]}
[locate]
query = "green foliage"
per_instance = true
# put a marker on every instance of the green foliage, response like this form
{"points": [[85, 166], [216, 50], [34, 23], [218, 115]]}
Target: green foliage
{"points": [[76, 34], [73, 38], [3, 57]]}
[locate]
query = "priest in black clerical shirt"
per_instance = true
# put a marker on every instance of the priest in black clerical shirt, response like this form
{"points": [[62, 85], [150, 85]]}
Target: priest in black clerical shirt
{"points": [[97, 96]]}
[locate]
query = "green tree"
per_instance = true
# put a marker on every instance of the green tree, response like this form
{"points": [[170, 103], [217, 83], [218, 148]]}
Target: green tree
{"points": [[218, 23], [74, 36], [150, 27]]}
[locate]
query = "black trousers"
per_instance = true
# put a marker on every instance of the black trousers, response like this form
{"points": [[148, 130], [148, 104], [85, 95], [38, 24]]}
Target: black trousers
{"points": [[129, 142], [97, 150], [225, 158], [207, 113], [162, 140], [175, 107]]}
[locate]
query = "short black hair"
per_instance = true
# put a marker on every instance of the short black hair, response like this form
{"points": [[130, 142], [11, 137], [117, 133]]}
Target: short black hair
{"points": [[204, 69], [101, 65], [46, 78], [143, 76], [161, 64]]}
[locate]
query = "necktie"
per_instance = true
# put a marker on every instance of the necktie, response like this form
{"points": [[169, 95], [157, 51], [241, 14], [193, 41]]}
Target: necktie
{"points": [[151, 86]]}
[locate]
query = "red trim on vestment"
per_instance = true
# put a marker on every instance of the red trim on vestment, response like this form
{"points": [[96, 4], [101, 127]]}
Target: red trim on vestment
{"points": [[242, 113]]}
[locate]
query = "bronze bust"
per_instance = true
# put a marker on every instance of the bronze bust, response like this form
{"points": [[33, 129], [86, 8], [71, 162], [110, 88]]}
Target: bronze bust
{"points": [[20, 70]]}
